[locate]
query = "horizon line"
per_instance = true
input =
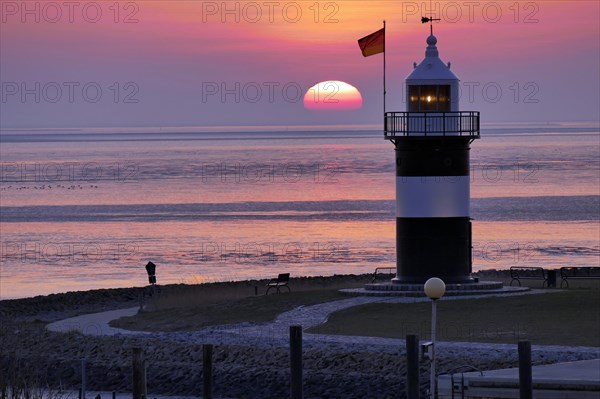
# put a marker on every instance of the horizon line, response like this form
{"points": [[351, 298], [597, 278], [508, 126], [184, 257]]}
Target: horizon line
{"points": [[270, 128]]}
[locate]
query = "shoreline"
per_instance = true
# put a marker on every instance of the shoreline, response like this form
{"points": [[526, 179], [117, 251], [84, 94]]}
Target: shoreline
{"points": [[107, 296]]}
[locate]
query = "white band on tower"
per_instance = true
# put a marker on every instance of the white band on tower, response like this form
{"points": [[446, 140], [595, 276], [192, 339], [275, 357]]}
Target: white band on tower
{"points": [[432, 196]]}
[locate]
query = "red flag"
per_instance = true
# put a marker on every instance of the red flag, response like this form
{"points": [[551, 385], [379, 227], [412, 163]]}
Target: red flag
{"points": [[373, 43]]}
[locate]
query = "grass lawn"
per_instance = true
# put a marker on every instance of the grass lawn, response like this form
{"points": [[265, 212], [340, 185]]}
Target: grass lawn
{"points": [[250, 309], [570, 317]]}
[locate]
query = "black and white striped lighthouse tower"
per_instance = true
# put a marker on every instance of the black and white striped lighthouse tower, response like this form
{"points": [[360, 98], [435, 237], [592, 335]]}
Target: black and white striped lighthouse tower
{"points": [[432, 141]]}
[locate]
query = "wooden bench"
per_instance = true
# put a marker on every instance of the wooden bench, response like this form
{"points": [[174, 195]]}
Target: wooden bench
{"points": [[567, 273], [390, 271], [518, 273], [278, 283]]}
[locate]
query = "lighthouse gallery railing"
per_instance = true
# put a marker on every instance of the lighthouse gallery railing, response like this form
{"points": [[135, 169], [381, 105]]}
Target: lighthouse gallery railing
{"points": [[462, 123]]}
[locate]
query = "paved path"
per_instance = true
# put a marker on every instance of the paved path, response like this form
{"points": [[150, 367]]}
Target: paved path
{"points": [[276, 333], [95, 323]]}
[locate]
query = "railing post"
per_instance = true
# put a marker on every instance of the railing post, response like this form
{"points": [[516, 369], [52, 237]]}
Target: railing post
{"points": [[444, 122], [385, 130], [470, 116], [471, 121]]}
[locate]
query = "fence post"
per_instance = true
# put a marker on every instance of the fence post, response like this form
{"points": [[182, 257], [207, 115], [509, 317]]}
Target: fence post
{"points": [[296, 362], [412, 367], [207, 371], [12, 368], [83, 387], [139, 374], [525, 376]]}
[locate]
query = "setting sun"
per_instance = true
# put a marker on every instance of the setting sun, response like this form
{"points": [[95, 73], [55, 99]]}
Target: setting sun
{"points": [[332, 95]]}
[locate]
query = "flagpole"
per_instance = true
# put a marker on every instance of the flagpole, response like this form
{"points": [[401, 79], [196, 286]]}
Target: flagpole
{"points": [[384, 68]]}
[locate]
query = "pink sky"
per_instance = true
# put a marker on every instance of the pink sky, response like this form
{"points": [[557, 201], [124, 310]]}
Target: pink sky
{"points": [[178, 57]]}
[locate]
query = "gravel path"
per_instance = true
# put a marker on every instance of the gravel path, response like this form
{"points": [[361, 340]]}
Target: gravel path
{"points": [[96, 323], [276, 333]]}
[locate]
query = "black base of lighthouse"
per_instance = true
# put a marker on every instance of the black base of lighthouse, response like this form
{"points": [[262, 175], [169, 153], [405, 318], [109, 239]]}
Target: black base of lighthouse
{"points": [[429, 247]]}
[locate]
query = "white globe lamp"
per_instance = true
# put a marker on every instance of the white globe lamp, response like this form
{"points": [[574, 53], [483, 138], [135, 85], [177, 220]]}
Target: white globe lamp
{"points": [[435, 288]]}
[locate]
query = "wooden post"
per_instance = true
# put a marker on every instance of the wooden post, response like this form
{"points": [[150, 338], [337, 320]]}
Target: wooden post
{"points": [[12, 368], [83, 387], [207, 371], [525, 375], [412, 367], [139, 374], [296, 362]]}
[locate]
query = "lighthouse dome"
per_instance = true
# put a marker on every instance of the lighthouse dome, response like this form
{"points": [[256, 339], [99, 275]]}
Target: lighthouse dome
{"points": [[432, 67]]}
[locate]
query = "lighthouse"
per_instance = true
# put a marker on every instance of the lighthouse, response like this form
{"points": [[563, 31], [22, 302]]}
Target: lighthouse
{"points": [[432, 140]]}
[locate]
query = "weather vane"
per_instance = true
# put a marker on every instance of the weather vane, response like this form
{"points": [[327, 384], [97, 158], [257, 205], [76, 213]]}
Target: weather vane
{"points": [[424, 20]]}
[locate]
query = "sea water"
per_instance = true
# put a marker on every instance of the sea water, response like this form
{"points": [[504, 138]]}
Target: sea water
{"points": [[88, 208]]}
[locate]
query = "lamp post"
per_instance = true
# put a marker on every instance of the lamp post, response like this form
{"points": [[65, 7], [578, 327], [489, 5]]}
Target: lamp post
{"points": [[434, 289]]}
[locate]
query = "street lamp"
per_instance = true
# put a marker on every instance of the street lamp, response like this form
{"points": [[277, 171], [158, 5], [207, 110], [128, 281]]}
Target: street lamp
{"points": [[434, 289]]}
